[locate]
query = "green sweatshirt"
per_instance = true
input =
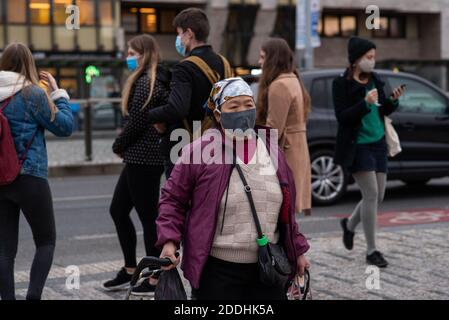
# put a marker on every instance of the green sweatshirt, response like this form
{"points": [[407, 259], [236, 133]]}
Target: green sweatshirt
{"points": [[372, 128]]}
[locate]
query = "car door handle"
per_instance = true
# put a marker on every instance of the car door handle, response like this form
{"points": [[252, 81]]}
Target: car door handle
{"points": [[409, 126], [442, 118]]}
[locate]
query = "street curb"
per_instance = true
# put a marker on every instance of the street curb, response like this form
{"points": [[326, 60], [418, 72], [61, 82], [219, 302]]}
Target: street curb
{"points": [[99, 135], [77, 170]]}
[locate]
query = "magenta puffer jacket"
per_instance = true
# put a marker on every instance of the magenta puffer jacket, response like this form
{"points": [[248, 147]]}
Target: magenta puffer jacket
{"points": [[189, 208]]}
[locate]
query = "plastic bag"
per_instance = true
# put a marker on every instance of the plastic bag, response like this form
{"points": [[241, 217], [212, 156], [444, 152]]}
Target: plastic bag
{"points": [[170, 286]]}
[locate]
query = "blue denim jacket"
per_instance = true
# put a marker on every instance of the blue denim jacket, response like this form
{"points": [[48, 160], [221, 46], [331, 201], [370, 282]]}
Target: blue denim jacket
{"points": [[28, 113]]}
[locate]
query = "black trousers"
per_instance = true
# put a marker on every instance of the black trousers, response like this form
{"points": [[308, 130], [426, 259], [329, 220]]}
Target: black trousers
{"points": [[137, 187], [31, 195], [223, 280]]}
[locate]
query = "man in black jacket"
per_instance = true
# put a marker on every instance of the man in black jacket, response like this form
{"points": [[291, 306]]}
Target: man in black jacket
{"points": [[190, 87]]}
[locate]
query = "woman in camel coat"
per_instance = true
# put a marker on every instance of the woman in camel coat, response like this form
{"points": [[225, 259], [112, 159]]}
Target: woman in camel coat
{"points": [[284, 104]]}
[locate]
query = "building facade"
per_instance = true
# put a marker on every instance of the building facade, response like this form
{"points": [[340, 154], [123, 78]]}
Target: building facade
{"points": [[414, 34], [66, 53]]}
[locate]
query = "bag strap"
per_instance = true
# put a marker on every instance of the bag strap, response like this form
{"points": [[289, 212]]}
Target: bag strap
{"points": [[7, 101], [261, 238], [28, 146]]}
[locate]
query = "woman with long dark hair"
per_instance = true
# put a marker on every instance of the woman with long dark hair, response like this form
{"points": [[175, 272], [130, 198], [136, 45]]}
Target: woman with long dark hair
{"points": [[138, 145], [284, 104], [360, 106]]}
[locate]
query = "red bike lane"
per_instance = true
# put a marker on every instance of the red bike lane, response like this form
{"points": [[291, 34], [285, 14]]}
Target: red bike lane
{"points": [[410, 217]]}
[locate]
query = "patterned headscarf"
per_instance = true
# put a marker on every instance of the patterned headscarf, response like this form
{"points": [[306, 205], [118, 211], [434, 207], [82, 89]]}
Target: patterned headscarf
{"points": [[225, 90]]}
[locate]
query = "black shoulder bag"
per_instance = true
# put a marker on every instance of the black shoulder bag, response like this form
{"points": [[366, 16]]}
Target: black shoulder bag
{"points": [[274, 267]]}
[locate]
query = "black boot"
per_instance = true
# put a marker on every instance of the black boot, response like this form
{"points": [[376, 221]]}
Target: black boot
{"points": [[376, 258], [348, 235]]}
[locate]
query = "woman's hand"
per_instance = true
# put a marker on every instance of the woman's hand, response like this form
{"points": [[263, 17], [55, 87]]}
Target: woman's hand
{"points": [[302, 263], [399, 91], [169, 251], [49, 79], [372, 96]]}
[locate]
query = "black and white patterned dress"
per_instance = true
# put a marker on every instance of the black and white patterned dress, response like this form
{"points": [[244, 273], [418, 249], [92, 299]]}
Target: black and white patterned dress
{"points": [[138, 143]]}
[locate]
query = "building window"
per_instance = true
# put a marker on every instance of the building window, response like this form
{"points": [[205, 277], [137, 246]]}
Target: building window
{"points": [[130, 20], [59, 14], [17, 11], [391, 27], [348, 26], [239, 32], [1, 13], [106, 18], [336, 25], [287, 3], [331, 26], [243, 2], [40, 12], [166, 20], [149, 20], [285, 25], [87, 12]]}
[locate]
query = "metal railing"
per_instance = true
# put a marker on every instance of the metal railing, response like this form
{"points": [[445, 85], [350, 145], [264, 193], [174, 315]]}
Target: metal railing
{"points": [[87, 106]]}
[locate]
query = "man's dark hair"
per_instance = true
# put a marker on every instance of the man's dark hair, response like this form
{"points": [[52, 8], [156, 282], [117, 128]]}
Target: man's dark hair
{"points": [[195, 19]]}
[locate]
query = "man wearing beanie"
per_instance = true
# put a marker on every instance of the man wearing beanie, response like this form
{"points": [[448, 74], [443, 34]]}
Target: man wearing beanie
{"points": [[360, 107]]}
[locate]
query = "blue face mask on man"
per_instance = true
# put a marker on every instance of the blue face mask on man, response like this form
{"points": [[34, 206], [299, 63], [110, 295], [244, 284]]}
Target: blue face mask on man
{"points": [[179, 47], [132, 63]]}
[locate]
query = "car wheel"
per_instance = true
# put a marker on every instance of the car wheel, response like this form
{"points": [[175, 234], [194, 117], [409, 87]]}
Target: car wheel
{"points": [[328, 179], [416, 183]]}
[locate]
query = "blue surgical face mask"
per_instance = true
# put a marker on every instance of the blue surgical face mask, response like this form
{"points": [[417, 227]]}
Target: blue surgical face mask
{"points": [[132, 63], [242, 120], [179, 47]]}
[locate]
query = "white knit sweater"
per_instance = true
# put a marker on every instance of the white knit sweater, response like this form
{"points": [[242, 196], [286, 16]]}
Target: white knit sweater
{"points": [[235, 236]]}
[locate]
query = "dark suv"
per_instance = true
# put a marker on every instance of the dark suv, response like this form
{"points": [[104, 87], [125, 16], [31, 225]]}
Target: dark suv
{"points": [[422, 123]]}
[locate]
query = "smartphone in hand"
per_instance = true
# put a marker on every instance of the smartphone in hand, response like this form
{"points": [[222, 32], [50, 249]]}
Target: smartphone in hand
{"points": [[402, 86]]}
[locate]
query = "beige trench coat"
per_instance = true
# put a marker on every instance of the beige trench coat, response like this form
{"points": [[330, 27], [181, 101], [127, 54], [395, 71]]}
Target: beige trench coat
{"points": [[286, 114]]}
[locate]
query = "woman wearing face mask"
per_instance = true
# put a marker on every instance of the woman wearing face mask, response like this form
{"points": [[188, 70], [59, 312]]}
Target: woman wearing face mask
{"points": [[204, 207], [360, 107], [138, 145], [284, 104]]}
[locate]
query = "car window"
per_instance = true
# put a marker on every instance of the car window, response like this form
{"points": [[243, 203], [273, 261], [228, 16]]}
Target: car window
{"points": [[329, 91], [255, 89], [318, 93], [418, 97]]}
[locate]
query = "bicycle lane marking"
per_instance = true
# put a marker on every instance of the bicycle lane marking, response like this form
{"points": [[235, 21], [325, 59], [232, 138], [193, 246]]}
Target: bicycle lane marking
{"points": [[410, 217]]}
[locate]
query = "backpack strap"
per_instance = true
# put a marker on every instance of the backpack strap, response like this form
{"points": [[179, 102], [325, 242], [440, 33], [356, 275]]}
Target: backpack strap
{"points": [[227, 67], [212, 75], [5, 104], [28, 146]]}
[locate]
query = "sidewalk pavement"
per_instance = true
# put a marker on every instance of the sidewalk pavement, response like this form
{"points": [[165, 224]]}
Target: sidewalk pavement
{"points": [[418, 269], [66, 157]]}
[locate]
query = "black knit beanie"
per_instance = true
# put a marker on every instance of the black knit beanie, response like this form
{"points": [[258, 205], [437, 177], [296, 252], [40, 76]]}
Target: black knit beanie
{"points": [[357, 47]]}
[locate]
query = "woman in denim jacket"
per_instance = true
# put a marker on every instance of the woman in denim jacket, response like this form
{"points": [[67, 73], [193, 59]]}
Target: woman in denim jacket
{"points": [[30, 111]]}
